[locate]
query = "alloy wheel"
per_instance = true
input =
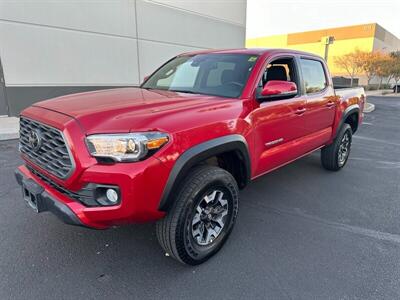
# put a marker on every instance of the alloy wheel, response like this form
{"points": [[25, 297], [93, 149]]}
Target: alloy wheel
{"points": [[210, 217], [344, 149]]}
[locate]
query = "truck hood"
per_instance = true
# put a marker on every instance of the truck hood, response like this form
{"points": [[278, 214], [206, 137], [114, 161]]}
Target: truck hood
{"points": [[133, 109]]}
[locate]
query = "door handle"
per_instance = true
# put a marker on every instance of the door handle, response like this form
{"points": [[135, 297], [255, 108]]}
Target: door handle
{"points": [[330, 104], [300, 111]]}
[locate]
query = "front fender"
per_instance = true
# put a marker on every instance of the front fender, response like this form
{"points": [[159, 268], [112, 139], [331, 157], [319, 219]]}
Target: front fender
{"points": [[199, 153]]}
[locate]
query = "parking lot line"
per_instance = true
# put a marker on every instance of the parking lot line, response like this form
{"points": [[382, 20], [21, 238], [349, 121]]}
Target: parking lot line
{"points": [[383, 236]]}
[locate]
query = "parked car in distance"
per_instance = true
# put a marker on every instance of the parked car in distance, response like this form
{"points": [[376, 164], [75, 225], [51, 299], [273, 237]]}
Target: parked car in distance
{"points": [[396, 87], [177, 149]]}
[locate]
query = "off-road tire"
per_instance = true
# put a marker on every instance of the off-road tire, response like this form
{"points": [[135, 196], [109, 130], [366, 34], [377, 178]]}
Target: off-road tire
{"points": [[331, 158], [175, 230]]}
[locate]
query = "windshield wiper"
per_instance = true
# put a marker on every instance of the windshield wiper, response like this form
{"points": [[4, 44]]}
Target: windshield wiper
{"points": [[183, 91]]}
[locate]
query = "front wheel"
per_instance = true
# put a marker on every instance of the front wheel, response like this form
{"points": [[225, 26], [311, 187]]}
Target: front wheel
{"points": [[202, 216], [335, 156]]}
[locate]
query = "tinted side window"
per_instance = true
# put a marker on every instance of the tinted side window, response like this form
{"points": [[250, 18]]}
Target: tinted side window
{"points": [[313, 75]]}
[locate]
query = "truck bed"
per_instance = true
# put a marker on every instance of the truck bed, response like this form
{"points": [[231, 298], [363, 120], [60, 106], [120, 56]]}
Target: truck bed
{"points": [[350, 92]]}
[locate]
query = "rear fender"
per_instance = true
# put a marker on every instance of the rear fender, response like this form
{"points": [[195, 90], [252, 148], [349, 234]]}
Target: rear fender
{"points": [[355, 108]]}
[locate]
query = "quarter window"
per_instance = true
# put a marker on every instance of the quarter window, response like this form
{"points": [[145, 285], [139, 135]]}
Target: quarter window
{"points": [[313, 75]]}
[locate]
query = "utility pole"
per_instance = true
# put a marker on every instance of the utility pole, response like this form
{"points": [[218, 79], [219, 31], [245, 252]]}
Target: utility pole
{"points": [[327, 40]]}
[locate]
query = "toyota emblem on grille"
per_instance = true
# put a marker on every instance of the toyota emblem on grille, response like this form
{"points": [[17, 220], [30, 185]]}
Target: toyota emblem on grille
{"points": [[35, 140]]}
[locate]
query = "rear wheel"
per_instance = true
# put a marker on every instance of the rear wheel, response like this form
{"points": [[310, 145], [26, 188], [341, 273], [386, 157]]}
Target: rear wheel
{"points": [[335, 156], [202, 216]]}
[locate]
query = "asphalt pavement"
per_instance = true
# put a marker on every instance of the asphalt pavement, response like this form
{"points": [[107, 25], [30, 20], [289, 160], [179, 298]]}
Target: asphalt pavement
{"points": [[302, 233]]}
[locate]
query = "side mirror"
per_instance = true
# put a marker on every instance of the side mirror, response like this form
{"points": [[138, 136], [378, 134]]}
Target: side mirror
{"points": [[277, 89]]}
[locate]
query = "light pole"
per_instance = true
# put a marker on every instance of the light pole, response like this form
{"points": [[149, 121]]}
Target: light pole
{"points": [[327, 40]]}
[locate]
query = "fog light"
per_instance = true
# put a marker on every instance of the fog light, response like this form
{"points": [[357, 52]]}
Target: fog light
{"points": [[112, 195]]}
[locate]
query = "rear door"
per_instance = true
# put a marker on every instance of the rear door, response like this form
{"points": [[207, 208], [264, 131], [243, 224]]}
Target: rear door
{"points": [[321, 100]]}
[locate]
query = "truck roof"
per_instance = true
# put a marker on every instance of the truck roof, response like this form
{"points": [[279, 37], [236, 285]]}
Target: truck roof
{"points": [[250, 51]]}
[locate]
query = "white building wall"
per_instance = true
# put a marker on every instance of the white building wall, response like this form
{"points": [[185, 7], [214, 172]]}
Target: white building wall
{"points": [[92, 44]]}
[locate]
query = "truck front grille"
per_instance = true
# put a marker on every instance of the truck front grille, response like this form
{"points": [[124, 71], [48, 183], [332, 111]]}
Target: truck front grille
{"points": [[45, 146]]}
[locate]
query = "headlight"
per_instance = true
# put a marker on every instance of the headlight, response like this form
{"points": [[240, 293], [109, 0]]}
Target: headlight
{"points": [[125, 147]]}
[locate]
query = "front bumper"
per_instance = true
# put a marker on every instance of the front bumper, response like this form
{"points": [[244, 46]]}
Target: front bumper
{"points": [[140, 194], [46, 202]]}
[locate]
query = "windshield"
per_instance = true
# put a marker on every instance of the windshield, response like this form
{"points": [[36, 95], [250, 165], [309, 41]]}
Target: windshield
{"points": [[211, 74]]}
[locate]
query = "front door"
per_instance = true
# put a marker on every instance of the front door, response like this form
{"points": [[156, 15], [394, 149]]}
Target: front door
{"points": [[279, 124], [3, 104]]}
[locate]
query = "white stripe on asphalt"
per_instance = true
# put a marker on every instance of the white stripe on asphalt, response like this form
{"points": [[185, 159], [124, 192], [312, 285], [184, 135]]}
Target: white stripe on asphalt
{"points": [[383, 236], [375, 140]]}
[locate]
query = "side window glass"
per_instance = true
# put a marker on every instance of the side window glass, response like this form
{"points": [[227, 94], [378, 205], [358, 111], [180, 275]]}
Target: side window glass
{"points": [[313, 75], [282, 69]]}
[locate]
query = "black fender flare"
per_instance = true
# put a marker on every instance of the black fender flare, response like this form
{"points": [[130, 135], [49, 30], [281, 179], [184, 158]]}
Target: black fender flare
{"points": [[199, 153], [355, 108]]}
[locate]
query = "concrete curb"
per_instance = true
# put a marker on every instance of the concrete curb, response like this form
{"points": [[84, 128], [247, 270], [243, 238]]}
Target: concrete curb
{"points": [[391, 95], [369, 107], [382, 93], [9, 128], [9, 136], [377, 92]]}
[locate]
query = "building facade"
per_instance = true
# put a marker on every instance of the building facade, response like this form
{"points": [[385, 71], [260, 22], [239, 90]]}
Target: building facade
{"points": [[51, 48], [365, 37]]}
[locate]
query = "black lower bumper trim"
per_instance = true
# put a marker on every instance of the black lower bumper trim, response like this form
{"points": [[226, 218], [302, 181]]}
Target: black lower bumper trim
{"points": [[48, 203]]}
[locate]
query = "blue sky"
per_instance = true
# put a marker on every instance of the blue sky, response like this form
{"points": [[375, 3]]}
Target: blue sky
{"points": [[269, 17]]}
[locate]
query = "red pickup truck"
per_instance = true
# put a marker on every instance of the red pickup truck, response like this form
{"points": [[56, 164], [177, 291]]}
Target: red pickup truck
{"points": [[177, 149]]}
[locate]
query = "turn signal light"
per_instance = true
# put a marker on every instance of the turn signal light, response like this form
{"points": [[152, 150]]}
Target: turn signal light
{"points": [[157, 143]]}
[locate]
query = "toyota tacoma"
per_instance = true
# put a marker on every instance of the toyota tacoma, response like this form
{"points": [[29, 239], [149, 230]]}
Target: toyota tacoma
{"points": [[177, 149]]}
